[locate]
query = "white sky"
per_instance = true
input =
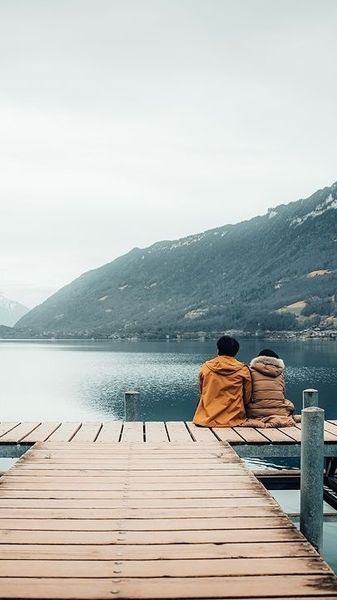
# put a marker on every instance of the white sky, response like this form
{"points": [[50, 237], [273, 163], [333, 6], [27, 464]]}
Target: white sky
{"points": [[124, 122]]}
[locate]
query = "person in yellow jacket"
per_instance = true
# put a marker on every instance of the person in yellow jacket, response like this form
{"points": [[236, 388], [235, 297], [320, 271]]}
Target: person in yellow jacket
{"points": [[225, 388]]}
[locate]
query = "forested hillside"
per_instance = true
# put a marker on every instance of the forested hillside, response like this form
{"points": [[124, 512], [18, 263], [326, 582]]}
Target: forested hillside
{"points": [[277, 271]]}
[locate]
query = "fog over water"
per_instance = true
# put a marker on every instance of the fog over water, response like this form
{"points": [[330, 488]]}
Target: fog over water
{"points": [[126, 122]]}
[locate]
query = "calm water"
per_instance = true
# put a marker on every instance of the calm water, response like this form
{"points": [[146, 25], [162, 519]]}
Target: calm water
{"points": [[87, 380]]}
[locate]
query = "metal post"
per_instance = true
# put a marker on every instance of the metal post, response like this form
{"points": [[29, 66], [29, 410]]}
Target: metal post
{"points": [[312, 465], [131, 405], [310, 398]]}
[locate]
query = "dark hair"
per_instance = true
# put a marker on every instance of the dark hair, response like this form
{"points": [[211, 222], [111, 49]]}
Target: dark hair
{"points": [[227, 345], [267, 352]]}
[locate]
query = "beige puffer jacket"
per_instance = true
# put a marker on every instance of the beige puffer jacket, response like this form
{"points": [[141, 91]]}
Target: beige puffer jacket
{"points": [[268, 402]]}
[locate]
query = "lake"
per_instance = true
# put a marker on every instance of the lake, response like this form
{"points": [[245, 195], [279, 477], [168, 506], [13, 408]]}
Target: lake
{"points": [[86, 380]]}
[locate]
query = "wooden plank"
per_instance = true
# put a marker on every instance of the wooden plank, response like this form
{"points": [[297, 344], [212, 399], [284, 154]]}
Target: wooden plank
{"points": [[163, 568], [231, 587], [201, 434], [292, 432], [157, 459], [145, 525], [135, 475], [6, 427], [143, 503], [156, 551], [322, 585], [110, 432], [228, 434], [113, 454], [330, 429], [155, 431], [236, 484], [121, 465], [170, 467], [134, 482], [252, 492], [41, 433], [132, 514], [178, 432], [275, 435], [18, 433], [167, 448], [65, 432], [133, 432], [165, 467], [251, 435], [328, 437], [87, 432], [181, 536]]}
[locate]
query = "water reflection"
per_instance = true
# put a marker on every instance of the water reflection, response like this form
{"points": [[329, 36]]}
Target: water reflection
{"points": [[87, 380]]}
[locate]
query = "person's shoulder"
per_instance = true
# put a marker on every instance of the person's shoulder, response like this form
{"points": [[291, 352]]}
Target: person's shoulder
{"points": [[207, 365], [239, 362], [244, 368]]}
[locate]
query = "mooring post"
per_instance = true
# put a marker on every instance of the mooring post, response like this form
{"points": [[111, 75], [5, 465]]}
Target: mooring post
{"points": [[310, 398], [312, 465], [131, 405]]}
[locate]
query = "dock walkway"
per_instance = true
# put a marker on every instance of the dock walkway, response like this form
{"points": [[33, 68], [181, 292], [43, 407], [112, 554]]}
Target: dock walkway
{"points": [[182, 518], [138, 431]]}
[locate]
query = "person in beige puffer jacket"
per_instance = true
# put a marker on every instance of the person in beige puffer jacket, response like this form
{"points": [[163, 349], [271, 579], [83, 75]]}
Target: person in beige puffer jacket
{"points": [[268, 402]]}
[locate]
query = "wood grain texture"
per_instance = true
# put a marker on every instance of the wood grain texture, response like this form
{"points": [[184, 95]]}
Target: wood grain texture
{"points": [[275, 435], [121, 434], [110, 432], [88, 432], [178, 432], [64, 433], [162, 568], [17, 434], [41, 433], [123, 553], [155, 432], [6, 427], [251, 435], [133, 432], [181, 536], [322, 586], [147, 519], [228, 434], [200, 434]]}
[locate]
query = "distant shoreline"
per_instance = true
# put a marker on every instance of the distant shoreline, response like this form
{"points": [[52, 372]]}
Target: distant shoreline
{"points": [[185, 337]]}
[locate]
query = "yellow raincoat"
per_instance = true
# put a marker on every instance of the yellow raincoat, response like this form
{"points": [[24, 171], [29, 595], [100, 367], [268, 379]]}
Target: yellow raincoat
{"points": [[225, 389]]}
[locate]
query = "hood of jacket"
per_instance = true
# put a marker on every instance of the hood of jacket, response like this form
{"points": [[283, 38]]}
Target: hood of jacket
{"points": [[224, 365], [268, 365]]}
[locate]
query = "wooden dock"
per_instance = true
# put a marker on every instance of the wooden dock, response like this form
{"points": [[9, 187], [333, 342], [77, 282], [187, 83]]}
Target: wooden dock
{"points": [[138, 431], [179, 516]]}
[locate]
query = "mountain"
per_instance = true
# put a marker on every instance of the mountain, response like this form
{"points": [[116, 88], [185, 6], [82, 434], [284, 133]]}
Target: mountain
{"points": [[10, 311], [276, 271]]}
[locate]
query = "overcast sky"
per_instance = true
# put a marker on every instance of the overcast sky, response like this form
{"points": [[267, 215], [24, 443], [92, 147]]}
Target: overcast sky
{"points": [[124, 122]]}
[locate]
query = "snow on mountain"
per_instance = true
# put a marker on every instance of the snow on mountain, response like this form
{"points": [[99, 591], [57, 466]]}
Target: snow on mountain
{"points": [[10, 311], [329, 203]]}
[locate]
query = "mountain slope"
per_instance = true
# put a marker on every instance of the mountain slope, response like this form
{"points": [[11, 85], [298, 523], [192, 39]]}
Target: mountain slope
{"points": [[10, 311], [247, 275]]}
